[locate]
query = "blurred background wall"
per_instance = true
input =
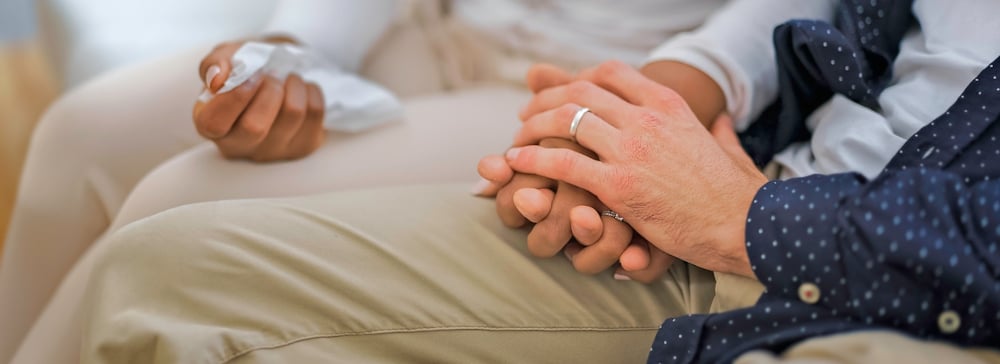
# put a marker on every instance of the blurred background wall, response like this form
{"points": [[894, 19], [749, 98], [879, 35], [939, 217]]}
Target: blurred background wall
{"points": [[26, 88], [17, 19], [50, 46]]}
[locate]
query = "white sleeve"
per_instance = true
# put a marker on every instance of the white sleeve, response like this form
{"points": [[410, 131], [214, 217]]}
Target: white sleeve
{"points": [[342, 30], [735, 48]]}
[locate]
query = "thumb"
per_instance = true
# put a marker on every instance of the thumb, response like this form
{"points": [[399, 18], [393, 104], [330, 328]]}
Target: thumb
{"points": [[215, 67]]}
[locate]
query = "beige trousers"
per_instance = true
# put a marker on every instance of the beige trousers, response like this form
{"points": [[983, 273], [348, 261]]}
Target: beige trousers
{"points": [[422, 274], [122, 147], [414, 274]]}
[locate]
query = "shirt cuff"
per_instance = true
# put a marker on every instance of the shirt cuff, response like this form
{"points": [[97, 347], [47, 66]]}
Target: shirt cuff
{"points": [[792, 239]]}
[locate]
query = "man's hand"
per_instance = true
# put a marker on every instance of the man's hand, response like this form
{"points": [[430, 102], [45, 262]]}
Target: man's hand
{"points": [[684, 189], [561, 211], [262, 120]]}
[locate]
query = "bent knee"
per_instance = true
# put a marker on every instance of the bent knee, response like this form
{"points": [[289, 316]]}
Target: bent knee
{"points": [[165, 241]]}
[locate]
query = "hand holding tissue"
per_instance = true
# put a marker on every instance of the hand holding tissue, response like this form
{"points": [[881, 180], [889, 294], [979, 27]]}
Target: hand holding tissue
{"points": [[352, 103]]}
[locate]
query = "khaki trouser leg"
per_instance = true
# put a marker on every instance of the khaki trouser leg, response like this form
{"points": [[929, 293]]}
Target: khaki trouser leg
{"points": [[416, 274]]}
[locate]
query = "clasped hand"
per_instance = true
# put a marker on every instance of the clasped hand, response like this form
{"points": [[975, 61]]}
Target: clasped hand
{"points": [[641, 152]]}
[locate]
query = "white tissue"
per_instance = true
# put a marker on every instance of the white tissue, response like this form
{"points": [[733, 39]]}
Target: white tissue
{"points": [[352, 103]]}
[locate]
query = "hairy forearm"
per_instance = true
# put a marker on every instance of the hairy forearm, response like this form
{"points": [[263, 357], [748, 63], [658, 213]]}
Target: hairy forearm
{"points": [[702, 94]]}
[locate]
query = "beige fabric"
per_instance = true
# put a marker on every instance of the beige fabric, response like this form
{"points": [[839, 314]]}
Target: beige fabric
{"points": [[87, 152], [93, 147], [413, 274], [734, 292], [873, 347]]}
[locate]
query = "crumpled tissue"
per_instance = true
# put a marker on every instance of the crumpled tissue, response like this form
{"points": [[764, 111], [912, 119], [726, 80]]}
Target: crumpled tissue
{"points": [[352, 103]]}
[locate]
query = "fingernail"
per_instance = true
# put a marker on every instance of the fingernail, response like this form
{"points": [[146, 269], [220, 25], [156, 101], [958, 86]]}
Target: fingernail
{"points": [[210, 75], [512, 153], [480, 187], [568, 255], [622, 277]]}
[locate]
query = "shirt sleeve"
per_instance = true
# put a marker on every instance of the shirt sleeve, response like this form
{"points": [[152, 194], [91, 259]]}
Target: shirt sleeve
{"points": [[915, 250], [735, 48], [342, 30]]}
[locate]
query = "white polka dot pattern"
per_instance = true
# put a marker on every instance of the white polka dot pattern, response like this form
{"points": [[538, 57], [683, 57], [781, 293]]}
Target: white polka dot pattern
{"points": [[852, 57], [916, 250]]}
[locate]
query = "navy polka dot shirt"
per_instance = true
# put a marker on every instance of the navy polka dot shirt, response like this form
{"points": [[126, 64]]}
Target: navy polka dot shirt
{"points": [[914, 250]]}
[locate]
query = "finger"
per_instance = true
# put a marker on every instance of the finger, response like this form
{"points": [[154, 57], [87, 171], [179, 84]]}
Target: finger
{"points": [[659, 264], [494, 168], [216, 118], [550, 235], [215, 67], [495, 175], [607, 250], [505, 207], [571, 250], [724, 133], [255, 123], [635, 257], [602, 102], [586, 224], [592, 132], [562, 165], [631, 85], [533, 203], [485, 188], [543, 75], [312, 133], [289, 120]]}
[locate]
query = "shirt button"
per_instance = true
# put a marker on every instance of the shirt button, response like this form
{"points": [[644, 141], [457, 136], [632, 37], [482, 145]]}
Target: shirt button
{"points": [[809, 293], [949, 322]]}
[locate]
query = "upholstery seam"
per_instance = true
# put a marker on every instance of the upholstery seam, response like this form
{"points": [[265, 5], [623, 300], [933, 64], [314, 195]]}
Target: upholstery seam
{"points": [[429, 329]]}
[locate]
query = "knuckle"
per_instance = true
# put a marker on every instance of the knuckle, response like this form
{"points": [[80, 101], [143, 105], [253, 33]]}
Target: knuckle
{"points": [[669, 99], [255, 129], [610, 69], [293, 111], [567, 112], [213, 130], [651, 119], [316, 109], [565, 163], [578, 89], [209, 129]]}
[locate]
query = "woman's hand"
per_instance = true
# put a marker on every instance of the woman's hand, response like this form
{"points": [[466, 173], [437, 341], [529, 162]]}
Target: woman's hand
{"points": [[264, 119], [561, 212], [685, 190]]}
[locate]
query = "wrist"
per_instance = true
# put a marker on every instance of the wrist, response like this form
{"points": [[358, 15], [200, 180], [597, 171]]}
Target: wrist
{"points": [[733, 234], [700, 91]]}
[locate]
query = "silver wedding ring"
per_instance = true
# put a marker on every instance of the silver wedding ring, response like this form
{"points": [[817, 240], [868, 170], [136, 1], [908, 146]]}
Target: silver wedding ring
{"points": [[576, 122], [613, 215]]}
